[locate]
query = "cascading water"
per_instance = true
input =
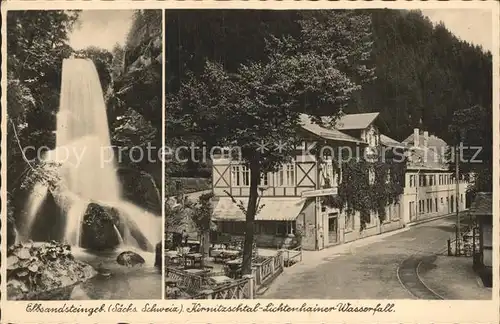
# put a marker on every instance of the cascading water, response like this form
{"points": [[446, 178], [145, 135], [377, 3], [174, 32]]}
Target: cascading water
{"points": [[87, 164]]}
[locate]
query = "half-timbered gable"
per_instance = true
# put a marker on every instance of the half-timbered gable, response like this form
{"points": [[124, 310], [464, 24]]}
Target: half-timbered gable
{"points": [[292, 196]]}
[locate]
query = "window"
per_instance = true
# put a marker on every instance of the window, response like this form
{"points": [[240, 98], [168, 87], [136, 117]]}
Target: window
{"points": [[442, 200], [290, 175], [430, 180], [264, 180], [285, 176], [440, 179], [436, 204], [411, 181], [461, 198], [240, 176], [428, 205]]}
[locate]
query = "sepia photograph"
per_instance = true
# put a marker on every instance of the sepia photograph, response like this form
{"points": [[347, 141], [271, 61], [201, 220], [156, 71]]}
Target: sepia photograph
{"points": [[329, 154], [84, 178]]}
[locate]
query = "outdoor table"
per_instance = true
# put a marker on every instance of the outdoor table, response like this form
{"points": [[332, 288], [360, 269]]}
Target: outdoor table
{"points": [[195, 271], [193, 258], [172, 254], [234, 266], [220, 279]]}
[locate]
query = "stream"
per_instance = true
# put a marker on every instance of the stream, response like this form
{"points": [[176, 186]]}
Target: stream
{"points": [[115, 281]]}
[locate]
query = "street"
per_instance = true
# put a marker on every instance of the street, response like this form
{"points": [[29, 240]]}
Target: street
{"points": [[379, 268]]}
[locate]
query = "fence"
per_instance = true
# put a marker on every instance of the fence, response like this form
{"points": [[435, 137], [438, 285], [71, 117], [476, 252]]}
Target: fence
{"points": [[269, 268], [189, 283], [241, 289], [293, 256], [468, 245], [262, 273]]}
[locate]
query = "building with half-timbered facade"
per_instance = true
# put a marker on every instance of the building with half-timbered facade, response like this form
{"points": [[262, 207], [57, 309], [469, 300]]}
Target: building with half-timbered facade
{"points": [[292, 197]]}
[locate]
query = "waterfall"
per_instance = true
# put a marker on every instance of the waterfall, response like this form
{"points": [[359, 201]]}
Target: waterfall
{"points": [[87, 163]]}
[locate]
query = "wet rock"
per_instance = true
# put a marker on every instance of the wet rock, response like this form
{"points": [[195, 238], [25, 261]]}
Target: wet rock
{"points": [[43, 271], [98, 230], [140, 188], [130, 259], [158, 256]]}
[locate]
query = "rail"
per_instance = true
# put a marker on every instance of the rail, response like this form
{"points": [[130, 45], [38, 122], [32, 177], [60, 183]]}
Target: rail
{"points": [[293, 256], [240, 289]]}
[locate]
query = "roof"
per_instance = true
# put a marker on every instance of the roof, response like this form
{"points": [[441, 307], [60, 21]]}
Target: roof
{"points": [[433, 142], [324, 132], [274, 209], [422, 158], [356, 121], [387, 141], [482, 204], [431, 157]]}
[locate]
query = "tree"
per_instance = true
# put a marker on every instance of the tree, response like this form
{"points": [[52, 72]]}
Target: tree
{"points": [[202, 217], [472, 129], [37, 45], [257, 107]]}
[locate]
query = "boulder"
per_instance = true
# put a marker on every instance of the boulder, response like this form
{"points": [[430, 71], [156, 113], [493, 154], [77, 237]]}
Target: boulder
{"points": [[130, 259], [43, 271], [99, 228]]}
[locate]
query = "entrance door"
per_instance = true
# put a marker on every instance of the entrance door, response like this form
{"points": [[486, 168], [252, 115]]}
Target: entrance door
{"points": [[332, 228], [451, 203]]}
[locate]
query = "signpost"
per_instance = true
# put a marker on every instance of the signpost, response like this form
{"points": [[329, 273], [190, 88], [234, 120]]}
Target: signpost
{"points": [[320, 192]]}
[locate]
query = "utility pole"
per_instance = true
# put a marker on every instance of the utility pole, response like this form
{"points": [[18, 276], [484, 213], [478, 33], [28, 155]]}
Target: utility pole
{"points": [[457, 188]]}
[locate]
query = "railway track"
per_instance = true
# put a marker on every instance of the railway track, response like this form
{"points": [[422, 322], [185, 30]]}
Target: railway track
{"points": [[409, 278]]}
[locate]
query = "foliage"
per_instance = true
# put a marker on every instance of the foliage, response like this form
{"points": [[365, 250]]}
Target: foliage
{"points": [[131, 129], [356, 193], [476, 156], [37, 44], [35, 267], [202, 214]]}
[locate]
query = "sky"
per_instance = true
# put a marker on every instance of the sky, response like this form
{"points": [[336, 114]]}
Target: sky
{"points": [[472, 25], [105, 28], [101, 28]]}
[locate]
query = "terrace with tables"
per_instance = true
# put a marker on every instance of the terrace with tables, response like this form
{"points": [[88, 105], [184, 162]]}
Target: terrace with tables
{"points": [[219, 275]]}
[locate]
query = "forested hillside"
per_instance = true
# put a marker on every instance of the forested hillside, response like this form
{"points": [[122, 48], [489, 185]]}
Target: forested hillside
{"points": [[423, 72]]}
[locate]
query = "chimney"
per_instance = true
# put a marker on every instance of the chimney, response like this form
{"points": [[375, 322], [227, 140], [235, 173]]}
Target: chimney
{"points": [[426, 138], [416, 137]]}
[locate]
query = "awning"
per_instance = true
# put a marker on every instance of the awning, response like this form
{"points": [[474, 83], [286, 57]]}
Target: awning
{"points": [[275, 209]]}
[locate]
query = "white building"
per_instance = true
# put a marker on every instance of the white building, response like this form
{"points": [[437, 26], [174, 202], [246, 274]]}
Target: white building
{"points": [[430, 188]]}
